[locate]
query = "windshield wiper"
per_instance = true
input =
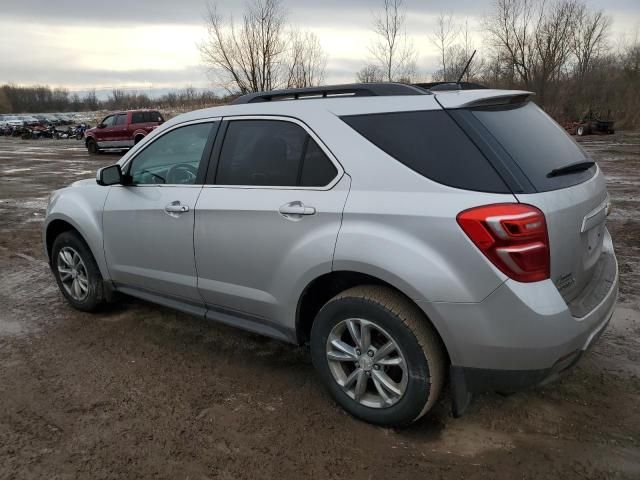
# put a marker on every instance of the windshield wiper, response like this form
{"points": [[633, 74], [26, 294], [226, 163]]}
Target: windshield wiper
{"points": [[571, 168]]}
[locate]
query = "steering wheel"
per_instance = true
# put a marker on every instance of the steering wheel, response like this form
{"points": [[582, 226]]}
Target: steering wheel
{"points": [[182, 174]]}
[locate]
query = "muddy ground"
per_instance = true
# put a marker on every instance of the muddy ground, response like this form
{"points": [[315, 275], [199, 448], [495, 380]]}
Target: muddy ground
{"points": [[142, 391]]}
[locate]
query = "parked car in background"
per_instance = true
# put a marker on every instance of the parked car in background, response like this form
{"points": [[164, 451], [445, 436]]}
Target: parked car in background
{"points": [[122, 129], [410, 237], [13, 121]]}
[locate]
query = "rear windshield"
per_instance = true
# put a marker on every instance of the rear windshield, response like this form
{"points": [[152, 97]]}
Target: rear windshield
{"points": [[431, 144], [536, 143]]}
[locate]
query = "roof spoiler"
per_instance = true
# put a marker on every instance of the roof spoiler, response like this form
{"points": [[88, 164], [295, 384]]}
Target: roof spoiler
{"points": [[480, 99]]}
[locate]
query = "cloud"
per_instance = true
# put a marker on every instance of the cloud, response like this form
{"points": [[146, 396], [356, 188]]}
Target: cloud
{"points": [[150, 43]]}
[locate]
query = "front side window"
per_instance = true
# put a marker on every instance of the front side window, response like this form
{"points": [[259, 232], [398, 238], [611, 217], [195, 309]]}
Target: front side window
{"points": [[174, 158], [121, 119], [272, 153], [109, 121]]}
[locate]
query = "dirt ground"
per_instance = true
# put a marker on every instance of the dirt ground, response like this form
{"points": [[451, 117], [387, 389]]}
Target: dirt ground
{"points": [[142, 391]]}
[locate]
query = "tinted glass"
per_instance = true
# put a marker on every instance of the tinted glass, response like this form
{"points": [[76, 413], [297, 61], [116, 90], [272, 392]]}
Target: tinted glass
{"points": [[317, 169], [121, 119], [109, 121], [153, 117], [432, 144], [138, 117], [173, 158], [261, 152], [536, 143]]}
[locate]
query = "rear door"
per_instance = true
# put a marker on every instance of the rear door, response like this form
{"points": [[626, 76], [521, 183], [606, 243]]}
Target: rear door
{"points": [[267, 220], [557, 176]]}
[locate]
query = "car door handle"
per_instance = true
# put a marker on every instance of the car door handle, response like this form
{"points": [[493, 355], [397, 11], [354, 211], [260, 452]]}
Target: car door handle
{"points": [[176, 207], [296, 208]]}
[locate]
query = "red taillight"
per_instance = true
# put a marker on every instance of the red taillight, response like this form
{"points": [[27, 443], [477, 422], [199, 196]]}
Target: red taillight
{"points": [[513, 236]]}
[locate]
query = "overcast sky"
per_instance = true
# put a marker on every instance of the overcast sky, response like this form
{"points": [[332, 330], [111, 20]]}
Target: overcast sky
{"points": [[150, 44]]}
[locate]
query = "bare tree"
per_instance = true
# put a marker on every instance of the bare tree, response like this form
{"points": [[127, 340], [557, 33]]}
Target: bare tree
{"points": [[246, 57], [534, 38], [455, 51], [370, 73], [444, 38], [306, 62], [393, 51], [589, 38]]}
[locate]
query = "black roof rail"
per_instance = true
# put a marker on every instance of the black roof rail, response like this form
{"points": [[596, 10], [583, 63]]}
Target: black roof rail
{"points": [[349, 90], [445, 86]]}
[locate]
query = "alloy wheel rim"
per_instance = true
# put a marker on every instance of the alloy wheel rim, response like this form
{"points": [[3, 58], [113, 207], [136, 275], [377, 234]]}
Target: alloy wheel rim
{"points": [[367, 363], [73, 273]]}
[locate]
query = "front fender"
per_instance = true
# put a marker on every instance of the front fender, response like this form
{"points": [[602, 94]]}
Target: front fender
{"points": [[81, 205]]}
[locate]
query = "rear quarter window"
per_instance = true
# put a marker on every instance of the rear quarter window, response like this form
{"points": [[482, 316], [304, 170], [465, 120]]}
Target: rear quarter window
{"points": [[431, 144]]}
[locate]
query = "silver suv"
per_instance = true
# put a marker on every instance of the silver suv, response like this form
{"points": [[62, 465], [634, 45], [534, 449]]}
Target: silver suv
{"points": [[412, 237]]}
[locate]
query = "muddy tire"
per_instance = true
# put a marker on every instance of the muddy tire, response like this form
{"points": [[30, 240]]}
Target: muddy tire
{"points": [[92, 147], [378, 355], [77, 272]]}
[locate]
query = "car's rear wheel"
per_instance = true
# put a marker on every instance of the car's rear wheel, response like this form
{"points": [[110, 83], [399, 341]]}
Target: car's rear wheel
{"points": [[76, 272], [378, 355], [92, 146], [581, 131], [137, 139]]}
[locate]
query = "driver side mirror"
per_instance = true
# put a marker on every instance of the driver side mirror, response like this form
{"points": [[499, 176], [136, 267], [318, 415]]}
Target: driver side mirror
{"points": [[111, 175], [101, 125]]}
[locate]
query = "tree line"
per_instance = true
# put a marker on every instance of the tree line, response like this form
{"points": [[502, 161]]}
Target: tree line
{"points": [[43, 99], [560, 49]]}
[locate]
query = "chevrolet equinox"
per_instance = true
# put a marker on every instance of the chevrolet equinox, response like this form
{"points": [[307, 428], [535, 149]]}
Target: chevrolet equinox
{"points": [[411, 237]]}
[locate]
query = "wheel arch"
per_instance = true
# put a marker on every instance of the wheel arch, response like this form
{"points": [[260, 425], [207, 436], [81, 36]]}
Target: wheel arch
{"points": [[138, 135], [60, 224], [326, 286]]}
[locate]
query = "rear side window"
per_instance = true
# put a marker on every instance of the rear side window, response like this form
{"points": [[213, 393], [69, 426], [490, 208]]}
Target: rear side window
{"points": [[536, 144], [272, 153], [431, 144], [146, 117]]}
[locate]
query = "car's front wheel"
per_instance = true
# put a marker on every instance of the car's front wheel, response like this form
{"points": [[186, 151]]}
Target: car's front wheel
{"points": [[92, 146], [378, 355], [76, 272]]}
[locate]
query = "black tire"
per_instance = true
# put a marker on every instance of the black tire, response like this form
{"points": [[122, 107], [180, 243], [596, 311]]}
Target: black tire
{"points": [[137, 139], [92, 147], [581, 131], [95, 296], [411, 331]]}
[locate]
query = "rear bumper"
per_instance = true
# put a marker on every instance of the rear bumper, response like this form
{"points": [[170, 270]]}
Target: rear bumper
{"points": [[522, 334]]}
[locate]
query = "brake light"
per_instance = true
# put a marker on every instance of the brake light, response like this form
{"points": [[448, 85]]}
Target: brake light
{"points": [[513, 236]]}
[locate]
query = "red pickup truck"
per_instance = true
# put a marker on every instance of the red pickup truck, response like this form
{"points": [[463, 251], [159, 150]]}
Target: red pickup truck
{"points": [[122, 129]]}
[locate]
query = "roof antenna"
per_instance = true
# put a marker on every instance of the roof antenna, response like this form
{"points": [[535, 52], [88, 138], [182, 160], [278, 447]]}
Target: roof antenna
{"points": [[466, 67]]}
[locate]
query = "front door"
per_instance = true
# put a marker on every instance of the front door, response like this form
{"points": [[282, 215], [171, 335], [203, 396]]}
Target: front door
{"points": [[104, 134], [121, 135], [267, 221], [148, 223]]}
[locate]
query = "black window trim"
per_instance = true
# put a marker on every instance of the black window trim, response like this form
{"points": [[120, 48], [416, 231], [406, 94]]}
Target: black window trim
{"points": [[215, 154], [204, 163]]}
